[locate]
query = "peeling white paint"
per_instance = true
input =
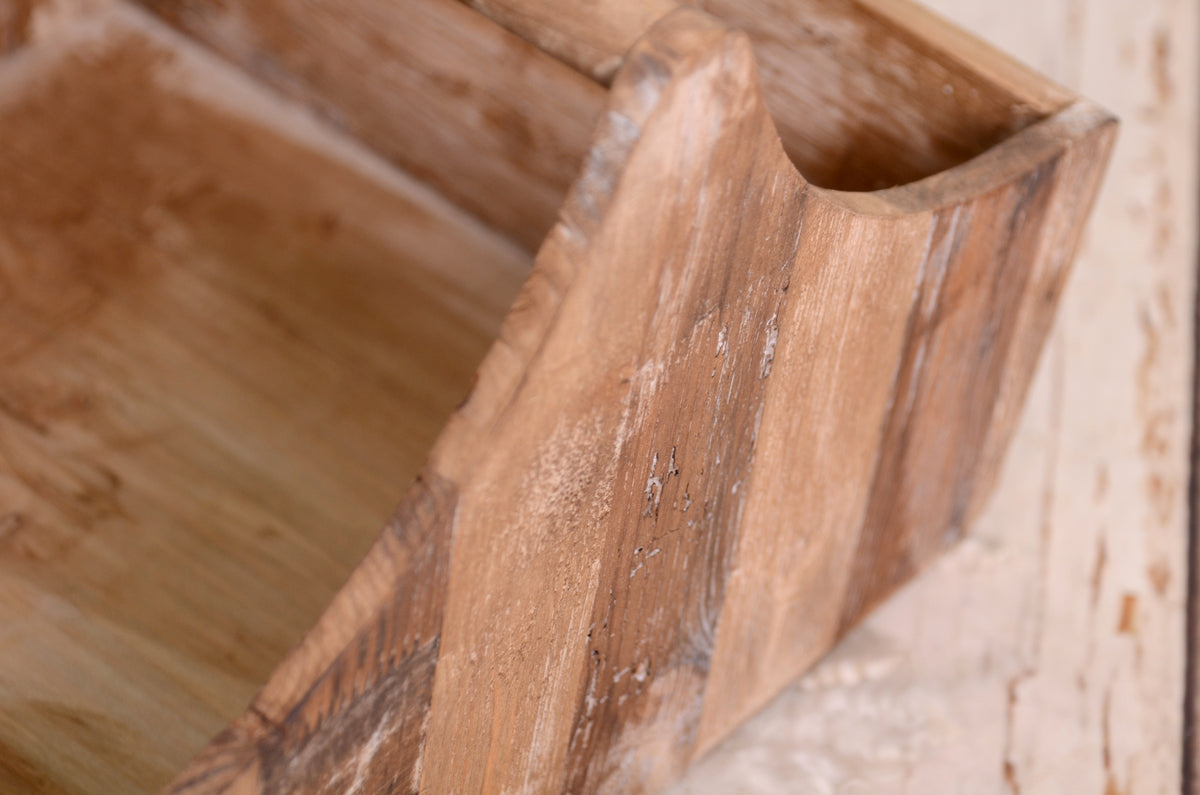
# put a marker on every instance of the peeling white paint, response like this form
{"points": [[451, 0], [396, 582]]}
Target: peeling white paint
{"points": [[768, 357]]}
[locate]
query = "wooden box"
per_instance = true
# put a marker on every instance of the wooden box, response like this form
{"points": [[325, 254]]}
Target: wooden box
{"points": [[697, 330]]}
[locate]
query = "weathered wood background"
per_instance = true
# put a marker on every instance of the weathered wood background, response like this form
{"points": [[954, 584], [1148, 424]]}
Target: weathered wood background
{"points": [[1046, 654]]}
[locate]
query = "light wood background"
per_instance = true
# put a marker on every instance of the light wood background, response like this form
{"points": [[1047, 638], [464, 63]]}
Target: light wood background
{"points": [[1046, 654]]}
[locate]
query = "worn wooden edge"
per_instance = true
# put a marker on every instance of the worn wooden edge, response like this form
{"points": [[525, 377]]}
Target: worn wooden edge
{"points": [[987, 171], [685, 50], [593, 37], [557, 120], [984, 95], [596, 39], [400, 558], [954, 44]]}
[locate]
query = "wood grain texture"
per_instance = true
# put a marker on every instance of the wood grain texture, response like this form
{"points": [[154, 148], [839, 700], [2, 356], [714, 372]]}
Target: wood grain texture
{"points": [[493, 123], [1045, 654], [227, 339], [846, 120], [608, 523], [520, 119], [591, 36], [688, 463]]}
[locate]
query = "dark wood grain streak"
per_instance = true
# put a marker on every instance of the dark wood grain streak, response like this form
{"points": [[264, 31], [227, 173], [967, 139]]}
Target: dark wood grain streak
{"points": [[865, 94], [978, 267]]}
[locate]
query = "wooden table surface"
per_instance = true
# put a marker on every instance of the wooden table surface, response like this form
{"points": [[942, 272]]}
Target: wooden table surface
{"points": [[1047, 653]]}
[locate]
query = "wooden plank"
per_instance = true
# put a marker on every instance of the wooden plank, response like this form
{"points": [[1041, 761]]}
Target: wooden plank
{"points": [[228, 339], [850, 122], [820, 77], [1046, 653], [609, 500], [967, 348], [453, 99], [845, 121]]}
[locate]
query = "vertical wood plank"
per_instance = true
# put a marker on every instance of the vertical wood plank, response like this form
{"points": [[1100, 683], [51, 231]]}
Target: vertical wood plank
{"points": [[807, 500], [1045, 654]]}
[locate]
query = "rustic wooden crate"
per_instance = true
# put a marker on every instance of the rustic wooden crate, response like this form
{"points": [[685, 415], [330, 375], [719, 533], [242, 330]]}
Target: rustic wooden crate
{"points": [[794, 264]]}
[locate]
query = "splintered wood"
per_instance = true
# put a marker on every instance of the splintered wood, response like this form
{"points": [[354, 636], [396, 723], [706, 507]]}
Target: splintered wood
{"points": [[730, 410]]}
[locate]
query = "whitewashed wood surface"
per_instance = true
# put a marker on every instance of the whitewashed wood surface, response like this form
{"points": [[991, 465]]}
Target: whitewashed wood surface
{"points": [[1046, 653]]}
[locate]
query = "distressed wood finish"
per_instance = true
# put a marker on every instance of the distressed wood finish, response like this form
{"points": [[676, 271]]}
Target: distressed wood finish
{"points": [[845, 122], [441, 91], [214, 382], [729, 411], [633, 561], [842, 118], [1045, 654]]}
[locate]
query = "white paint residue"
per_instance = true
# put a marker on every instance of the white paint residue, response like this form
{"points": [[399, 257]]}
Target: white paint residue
{"points": [[362, 762], [769, 349], [641, 673], [653, 488]]}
